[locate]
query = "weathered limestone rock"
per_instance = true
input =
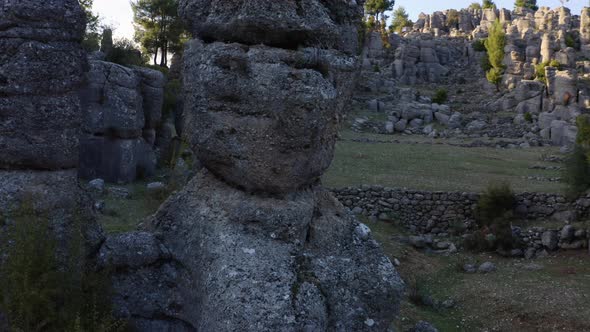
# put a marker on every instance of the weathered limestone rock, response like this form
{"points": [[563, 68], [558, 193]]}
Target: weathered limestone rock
{"points": [[41, 66], [287, 25], [232, 112], [562, 85], [273, 264], [253, 243], [122, 109], [41, 73]]}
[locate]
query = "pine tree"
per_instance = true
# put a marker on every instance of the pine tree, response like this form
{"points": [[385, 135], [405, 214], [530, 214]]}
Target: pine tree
{"points": [[495, 44], [488, 4], [529, 4], [158, 29], [400, 20]]}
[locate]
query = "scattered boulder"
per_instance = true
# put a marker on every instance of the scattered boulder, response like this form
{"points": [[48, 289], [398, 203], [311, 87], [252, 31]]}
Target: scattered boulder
{"points": [[486, 267]]}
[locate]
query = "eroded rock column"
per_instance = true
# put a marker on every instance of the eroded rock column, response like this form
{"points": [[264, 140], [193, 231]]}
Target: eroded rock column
{"points": [[41, 73], [253, 242]]}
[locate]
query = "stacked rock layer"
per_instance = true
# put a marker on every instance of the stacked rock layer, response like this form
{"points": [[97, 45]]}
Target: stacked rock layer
{"points": [[253, 243], [41, 74]]}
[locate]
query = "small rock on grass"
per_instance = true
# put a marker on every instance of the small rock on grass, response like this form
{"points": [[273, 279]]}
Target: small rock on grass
{"points": [[486, 267]]}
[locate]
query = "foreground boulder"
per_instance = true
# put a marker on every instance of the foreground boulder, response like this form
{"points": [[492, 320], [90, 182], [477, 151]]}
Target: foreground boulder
{"points": [[253, 242], [271, 264]]}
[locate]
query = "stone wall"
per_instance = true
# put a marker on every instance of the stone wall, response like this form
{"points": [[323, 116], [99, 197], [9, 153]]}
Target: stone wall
{"points": [[443, 212]]}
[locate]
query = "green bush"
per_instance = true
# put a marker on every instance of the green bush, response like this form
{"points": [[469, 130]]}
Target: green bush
{"points": [[40, 293], [577, 166], [540, 68], [494, 216], [570, 41], [528, 117], [479, 45], [577, 172], [440, 96], [494, 203], [125, 53]]}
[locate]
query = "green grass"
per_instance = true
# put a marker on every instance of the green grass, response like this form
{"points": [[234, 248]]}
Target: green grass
{"points": [[511, 299], [436, 167], [124, 215]]}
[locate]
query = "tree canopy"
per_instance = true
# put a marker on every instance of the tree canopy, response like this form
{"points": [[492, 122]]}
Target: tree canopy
{"points": [[92, 35], [377, 7], [475, 5], [400, 20], [529, 4], [158, 28], [488, 4]]}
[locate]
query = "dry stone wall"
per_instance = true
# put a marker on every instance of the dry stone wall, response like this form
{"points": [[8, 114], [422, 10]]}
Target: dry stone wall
{"points": [[443, 212]]}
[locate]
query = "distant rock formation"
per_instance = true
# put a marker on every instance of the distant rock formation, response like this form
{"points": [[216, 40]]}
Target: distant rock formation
{"points": [[122, 111], [439, 49], [253, 242]]}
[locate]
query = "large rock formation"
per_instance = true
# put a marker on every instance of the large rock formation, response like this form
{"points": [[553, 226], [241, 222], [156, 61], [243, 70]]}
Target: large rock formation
{"points": [[41, 68], [41, 74], [123, 108], [253, 243]]}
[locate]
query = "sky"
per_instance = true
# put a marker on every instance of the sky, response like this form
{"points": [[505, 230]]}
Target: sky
{"points": [[118, 14]]}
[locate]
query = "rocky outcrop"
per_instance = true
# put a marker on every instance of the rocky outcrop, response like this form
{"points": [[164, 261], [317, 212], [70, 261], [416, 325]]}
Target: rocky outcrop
{"points": [[253, 243], [123, 109], [41, 74], [41, 68]]}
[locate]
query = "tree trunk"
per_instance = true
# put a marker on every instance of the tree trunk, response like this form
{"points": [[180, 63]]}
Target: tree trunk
{"points": [[164, 57], [156, 57]]}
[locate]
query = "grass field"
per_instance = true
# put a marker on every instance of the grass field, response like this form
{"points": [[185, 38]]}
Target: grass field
{"points": [[436, 166], [551, 297]]}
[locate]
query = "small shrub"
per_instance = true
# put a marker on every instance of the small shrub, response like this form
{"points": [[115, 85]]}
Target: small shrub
{"points": [[40, 292], [440, 96], [528, 117], [570, 41], [494, 215], [577, 172], [555, 64], [125, 53], [479, 45], [494, 203]]}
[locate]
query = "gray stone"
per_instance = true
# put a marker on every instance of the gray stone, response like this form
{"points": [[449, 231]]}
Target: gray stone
{"points": [[41, 72], [417, 241], [567, 233], [246, 240], [97, 185], [423, 326], [279, 145], [401, 125], [549, 239], [486, 267], [155, 187], [285, 25], [470, 268]]}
